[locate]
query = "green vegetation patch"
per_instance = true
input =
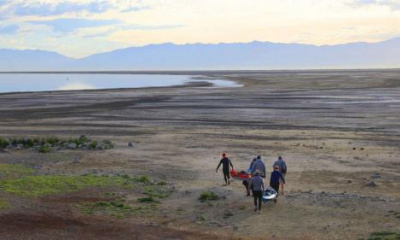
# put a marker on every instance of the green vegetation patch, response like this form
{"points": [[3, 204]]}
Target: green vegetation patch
{"points": [[3, 143], [35, 186], [14, 171], [205, 196], [117, 208], [384, 235], [4, 205]]}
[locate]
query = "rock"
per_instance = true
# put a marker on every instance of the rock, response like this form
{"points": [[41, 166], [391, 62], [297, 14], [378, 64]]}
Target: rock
{"points": [[130, 144], [235, 228], [19, 146], [370, 184], [349, 181], [72, 146], [354, 148], [376, 175]]}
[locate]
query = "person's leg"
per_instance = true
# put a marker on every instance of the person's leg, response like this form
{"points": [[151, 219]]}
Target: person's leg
{"points": [[260, 200], [255, 200], [275, 186], [226, 177], [246, 185]]}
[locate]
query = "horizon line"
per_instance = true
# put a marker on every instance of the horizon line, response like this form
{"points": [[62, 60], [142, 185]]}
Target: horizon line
{"points": [[196, 72]]}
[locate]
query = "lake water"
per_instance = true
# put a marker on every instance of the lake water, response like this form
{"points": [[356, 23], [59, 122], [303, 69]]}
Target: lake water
{"points": [[58, 82]]}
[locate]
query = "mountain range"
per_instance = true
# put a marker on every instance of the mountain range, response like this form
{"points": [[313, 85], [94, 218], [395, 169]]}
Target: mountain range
{"points": [[224, 56]]}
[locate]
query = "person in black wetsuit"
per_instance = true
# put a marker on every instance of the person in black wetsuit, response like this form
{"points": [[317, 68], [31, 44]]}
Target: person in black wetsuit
{"points": [[225, 168]]}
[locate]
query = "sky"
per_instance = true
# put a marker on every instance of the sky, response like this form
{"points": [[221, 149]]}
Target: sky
{"points": [[79, 28]]}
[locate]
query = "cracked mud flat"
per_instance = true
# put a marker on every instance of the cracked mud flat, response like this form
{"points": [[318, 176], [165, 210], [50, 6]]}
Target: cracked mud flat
{"points": [[335, 129]]}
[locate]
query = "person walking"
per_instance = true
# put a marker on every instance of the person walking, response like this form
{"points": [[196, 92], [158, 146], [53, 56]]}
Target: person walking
{"points": [[276, 178], [258, 165], [225, 168], [282, 168], [246, 182], [257, 186]]}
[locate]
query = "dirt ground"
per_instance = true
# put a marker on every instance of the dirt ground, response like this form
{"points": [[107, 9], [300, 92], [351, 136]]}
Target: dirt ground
{"points": [[335, 129]]}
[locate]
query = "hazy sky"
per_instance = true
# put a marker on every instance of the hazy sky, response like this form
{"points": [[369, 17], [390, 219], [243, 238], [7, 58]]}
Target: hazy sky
{"points": [[79, 28]]}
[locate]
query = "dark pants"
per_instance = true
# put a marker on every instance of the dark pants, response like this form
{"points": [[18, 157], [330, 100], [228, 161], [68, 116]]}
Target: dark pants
{"points": [[246, 185], [275, 186], [226, 175], [257, 198]]}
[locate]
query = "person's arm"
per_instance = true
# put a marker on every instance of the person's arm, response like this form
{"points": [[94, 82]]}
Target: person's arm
{"points": [[262, 185], [220, 162], [230, 162]]}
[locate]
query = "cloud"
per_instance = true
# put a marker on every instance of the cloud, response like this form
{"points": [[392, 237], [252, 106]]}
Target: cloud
{"points": [[67, 25], [53, 9], [9, 29], [392, 4], [136, 8], [56, 8]]}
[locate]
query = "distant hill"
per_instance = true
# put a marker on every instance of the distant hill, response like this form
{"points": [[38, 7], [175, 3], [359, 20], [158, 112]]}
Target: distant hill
{"points": [[34, 60], [224, 56]]}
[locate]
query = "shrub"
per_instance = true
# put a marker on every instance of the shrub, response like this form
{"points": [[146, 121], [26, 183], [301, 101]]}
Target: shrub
{"points": [[3, 143], [52, 141], [28, 142], [204, 196], [143, 179], [44, 149], [93, 145]]}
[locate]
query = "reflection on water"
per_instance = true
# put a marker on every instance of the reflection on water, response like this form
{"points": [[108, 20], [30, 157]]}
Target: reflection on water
{"points": [[53, 82], [76, 86]]}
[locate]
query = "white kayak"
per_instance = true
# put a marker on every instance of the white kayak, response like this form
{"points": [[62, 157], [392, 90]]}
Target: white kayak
{"points": [[269, 194]]}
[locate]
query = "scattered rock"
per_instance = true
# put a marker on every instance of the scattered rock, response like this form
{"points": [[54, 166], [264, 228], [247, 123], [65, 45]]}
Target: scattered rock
{"points": [[370, 184], [72, 146], [130, 144], [349, 181], [376, 175], [354, 148]]}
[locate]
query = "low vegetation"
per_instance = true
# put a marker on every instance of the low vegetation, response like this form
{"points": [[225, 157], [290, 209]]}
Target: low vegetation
{"points": [[205, 196], [4, 205], [36, 186], [118, 208], [46, 145], [384, 235], [8, 171]]}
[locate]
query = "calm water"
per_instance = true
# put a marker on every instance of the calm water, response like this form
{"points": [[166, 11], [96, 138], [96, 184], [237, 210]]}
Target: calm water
{"points": [[58, 82]]}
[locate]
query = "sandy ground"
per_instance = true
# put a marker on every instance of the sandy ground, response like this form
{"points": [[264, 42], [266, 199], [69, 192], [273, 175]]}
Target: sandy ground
{"points": [[335, 129]]}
